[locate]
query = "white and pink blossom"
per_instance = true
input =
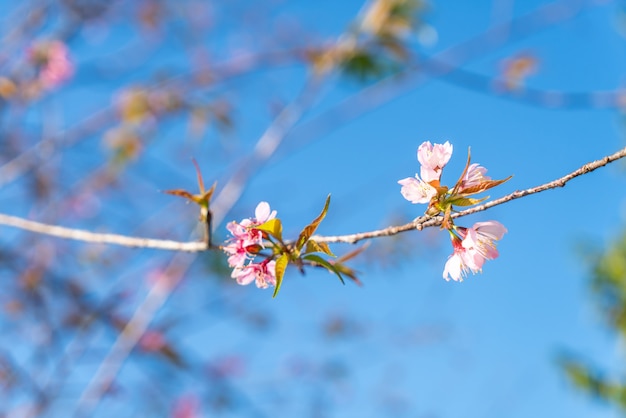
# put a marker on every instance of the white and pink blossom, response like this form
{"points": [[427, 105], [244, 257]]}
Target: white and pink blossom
{"points": [[479, 240], [456, 267], [263, 273], [472, 247], [262, 214], [245, 243], [460, 262], [415, 190], [433, 158], [474, 176]]}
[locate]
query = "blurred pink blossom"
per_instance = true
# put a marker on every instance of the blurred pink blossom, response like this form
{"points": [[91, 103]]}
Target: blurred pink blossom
{"points": [[187, 406], [53, 61]]}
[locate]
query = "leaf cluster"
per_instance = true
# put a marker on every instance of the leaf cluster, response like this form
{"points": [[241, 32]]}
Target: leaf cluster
{"points": [[305, 250]]}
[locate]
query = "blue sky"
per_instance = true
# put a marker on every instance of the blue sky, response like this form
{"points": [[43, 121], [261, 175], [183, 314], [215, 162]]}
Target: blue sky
{"points": [[486, 347], [415, 345]]}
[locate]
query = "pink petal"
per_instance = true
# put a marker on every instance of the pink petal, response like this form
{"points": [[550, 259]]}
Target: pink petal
{"points": [[416, 191]]}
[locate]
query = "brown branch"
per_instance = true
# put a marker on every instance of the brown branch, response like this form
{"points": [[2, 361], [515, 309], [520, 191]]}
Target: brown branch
{"points": [[427, 221], [195, 246]]}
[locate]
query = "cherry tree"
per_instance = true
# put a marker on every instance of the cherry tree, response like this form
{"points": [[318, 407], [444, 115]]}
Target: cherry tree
{"points": [[143, 181]]}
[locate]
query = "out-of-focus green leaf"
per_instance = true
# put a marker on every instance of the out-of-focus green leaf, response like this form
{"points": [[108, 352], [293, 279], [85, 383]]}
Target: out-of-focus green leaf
{"points": [[365, 65], [347, 271], [608, 285], [594, 383], [316, 259]]}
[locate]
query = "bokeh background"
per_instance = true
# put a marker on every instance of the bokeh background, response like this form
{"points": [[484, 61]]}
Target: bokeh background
{"points": [[287, 102]]}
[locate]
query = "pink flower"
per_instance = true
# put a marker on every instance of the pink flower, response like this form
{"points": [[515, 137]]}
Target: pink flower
{"points": [[237, 250], [245, 237], [479, 240], [262, 214], [474, 176], [433, 158], [472, 247], [264, 273], [55, 66], [245, 244], [416, 191], [459, 263], [187, 406]]}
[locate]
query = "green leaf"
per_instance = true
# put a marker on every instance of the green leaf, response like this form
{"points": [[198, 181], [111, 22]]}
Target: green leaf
{"points": [[281, 266], [466, 201], [206, 196], [364, 65], [318, 247], [273, 227], [319, 260], [347, 271], [310, 229]]}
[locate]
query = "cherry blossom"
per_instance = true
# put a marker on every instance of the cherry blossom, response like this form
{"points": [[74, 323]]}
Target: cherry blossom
{"points": [[474, 176], [55, 66], [479, 241], [415, 190], [460, 262], [262, 214], [433, 158], [245, 244], [472, 247], [263, 273]]}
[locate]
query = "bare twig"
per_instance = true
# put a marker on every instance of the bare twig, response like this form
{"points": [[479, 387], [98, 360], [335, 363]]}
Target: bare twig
{"points": [[427, 221], [129, 337], [193, 246], [99, 238]]}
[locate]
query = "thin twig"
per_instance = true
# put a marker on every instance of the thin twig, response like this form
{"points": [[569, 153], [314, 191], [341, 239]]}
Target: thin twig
{"points": [[193, 246], [99, 238], [427, 221], [130, 336]]}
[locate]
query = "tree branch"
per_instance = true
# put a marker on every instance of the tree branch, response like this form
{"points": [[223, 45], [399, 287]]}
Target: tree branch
{"points": [[99, 238], [427, 221], [195, 246]]}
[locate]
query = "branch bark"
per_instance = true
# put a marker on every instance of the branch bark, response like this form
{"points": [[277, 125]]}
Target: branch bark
{"points": [[195, 246]]}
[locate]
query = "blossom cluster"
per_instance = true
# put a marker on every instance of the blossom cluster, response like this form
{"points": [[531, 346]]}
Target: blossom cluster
{"points": [[245, 244], [52, 59], [261, 237], [471, 246]]}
